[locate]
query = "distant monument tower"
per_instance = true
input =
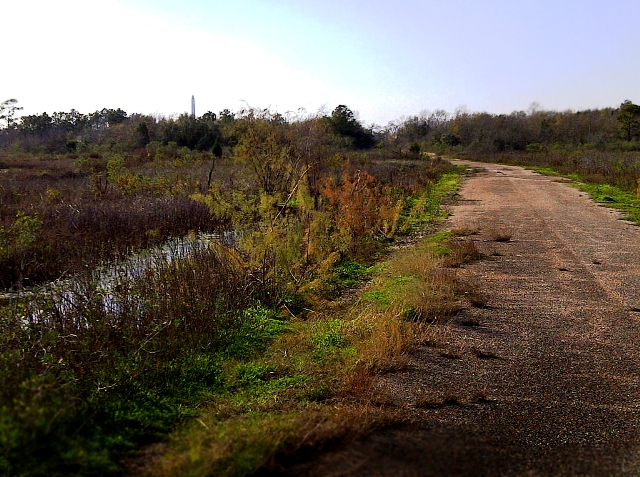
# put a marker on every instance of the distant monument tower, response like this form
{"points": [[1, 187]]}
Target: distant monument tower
{"points": [[193, 107]]}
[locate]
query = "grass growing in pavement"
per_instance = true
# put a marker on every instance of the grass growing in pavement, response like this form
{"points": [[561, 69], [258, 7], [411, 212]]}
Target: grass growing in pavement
{"points": [[419, 283], [609, 195], [615, 198]]}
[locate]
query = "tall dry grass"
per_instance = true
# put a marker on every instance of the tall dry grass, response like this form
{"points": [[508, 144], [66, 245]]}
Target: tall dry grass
{"points": [[418, 292], [59, 216]]}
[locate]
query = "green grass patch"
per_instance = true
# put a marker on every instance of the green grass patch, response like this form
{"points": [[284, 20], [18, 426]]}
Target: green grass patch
{"points": [[344, 275], [614, 197], [234, 447], [437, 243], [426, 208], [350, 273], [330, 342], [609, 195], [379, 297], [546, 171], [259, 327], [449, 183]]}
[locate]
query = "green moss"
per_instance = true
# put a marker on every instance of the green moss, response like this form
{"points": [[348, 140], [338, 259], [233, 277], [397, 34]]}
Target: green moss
{"points": [[437, 244], [249, 374], [259, 326]]}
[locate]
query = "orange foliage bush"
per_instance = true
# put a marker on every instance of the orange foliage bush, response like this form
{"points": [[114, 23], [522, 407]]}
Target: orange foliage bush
{"points": [[358, 203]]}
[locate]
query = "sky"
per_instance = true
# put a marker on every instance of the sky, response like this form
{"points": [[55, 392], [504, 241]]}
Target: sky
{"points": [[385, 60]]}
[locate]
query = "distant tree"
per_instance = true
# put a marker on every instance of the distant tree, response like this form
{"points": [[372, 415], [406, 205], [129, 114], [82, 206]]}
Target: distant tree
{"points": [[189, 132], [345, 123], [208, 116], [68, 122], [169, 131], [216, 150], [226, 116], [36, 124], [415, 128], [414, 148], [143, 134], [8, 111], [438, 118], [629, 118], [450, 140], [114, 116]]}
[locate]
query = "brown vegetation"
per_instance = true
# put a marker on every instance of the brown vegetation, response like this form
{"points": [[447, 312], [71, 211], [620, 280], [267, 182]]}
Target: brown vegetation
{"points": [[121, 342]]}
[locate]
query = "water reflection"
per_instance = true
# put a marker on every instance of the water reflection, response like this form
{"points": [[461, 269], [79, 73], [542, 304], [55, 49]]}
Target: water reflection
{"points": [[108, 286]]}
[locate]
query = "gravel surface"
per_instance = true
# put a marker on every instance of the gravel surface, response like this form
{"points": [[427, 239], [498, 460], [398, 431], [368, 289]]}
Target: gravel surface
{"points": [[542, 380]]}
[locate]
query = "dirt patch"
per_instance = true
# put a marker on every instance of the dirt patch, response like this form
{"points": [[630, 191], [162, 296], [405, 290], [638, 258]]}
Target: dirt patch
{"points": [[544, 378]]}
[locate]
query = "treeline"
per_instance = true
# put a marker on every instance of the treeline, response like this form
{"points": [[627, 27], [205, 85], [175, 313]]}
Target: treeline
{"points": [[113, 130], [535, 130], [478, 132]]}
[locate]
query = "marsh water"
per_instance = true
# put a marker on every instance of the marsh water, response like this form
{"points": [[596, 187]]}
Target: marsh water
{"points": [[108, 280]]}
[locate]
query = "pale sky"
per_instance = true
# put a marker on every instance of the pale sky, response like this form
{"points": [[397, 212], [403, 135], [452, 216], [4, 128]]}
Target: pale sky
{"points": [[384, 60]]}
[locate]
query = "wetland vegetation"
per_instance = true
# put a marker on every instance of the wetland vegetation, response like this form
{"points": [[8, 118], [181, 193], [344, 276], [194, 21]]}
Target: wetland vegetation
{"points": [[244, 351], [307, 208]]}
